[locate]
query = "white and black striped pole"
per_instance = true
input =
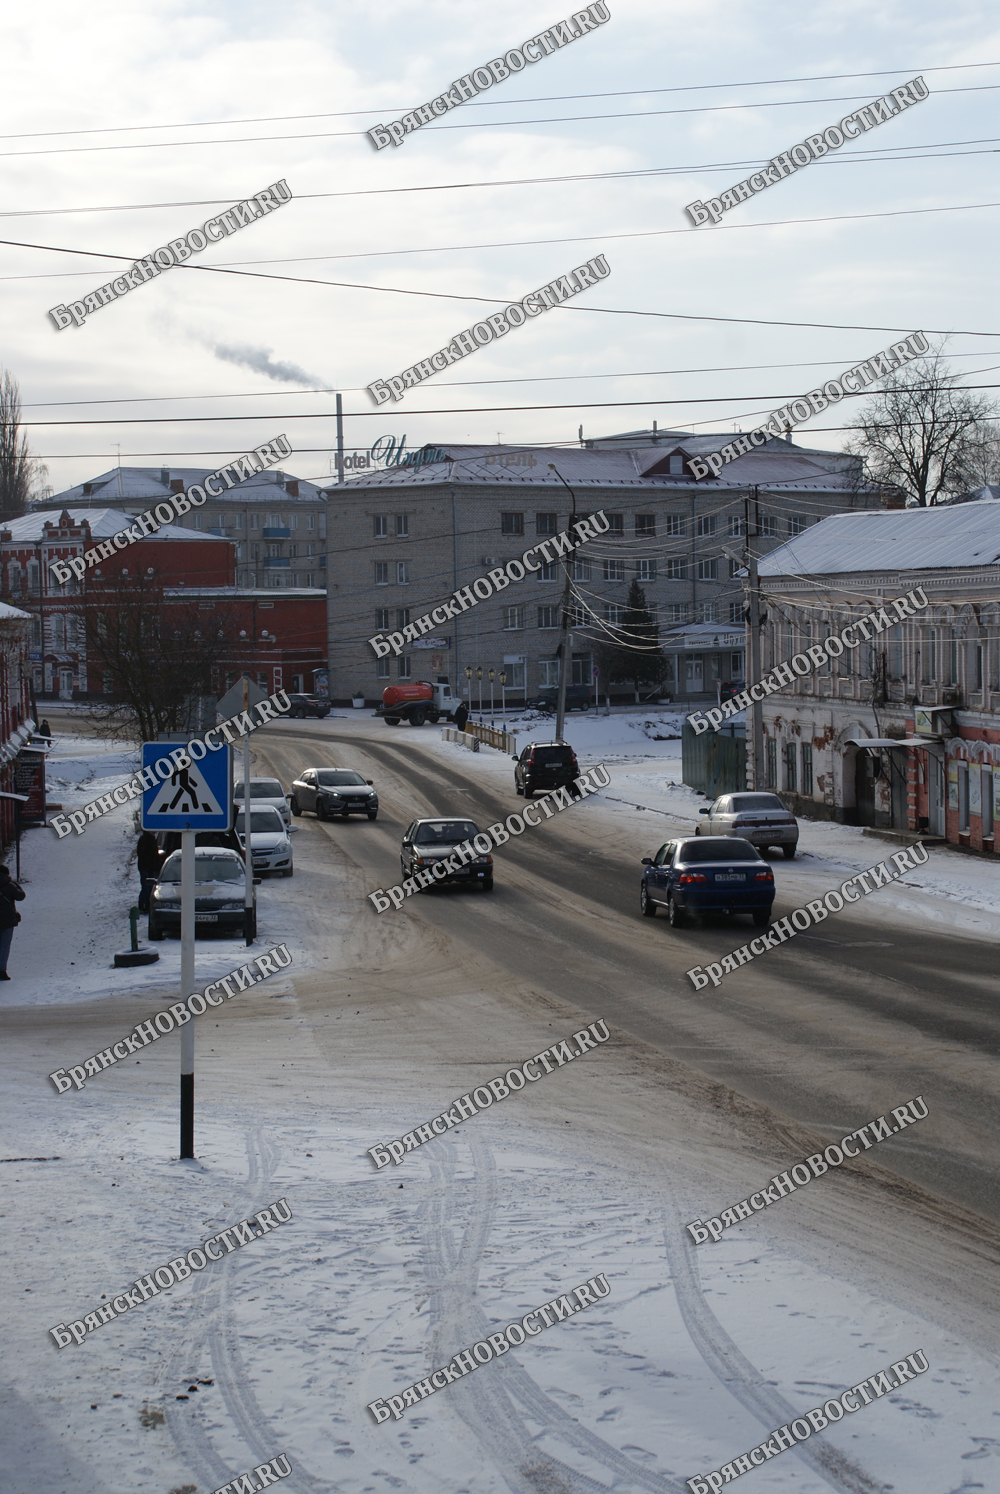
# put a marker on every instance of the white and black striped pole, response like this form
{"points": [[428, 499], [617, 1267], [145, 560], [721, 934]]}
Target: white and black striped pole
{"points": [[187, 987]]}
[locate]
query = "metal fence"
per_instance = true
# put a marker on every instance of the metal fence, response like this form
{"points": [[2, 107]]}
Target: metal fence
{"points": [[712, 761], [501, 740]]}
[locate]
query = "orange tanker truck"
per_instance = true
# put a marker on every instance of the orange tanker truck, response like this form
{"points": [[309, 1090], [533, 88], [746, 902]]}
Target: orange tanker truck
{"points": [[417, 701]]}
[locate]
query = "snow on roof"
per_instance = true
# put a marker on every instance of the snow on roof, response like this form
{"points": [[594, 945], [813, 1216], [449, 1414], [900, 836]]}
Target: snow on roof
{"points": [[129, 484], [911, 539], [7, 612], [104, 522]]}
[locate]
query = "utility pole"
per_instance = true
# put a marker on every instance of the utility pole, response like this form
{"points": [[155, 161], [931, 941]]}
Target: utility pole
{"points": [[187, 988], [755, 735], [566, 645], [340, 439]]}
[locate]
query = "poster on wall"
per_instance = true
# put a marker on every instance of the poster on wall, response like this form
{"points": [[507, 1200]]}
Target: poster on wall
{"points": [[29, 778]]}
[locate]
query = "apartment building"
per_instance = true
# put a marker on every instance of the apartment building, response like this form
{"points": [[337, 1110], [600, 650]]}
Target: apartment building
{"points": [[402, 539]]}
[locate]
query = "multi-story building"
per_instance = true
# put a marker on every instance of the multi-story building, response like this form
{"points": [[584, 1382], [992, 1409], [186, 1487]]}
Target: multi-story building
{"points": [[276, 523], [902, 732], [401, 539]]}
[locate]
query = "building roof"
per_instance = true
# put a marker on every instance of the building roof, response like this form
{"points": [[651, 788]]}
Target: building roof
{"points": [[104, 522], [517, 466], [149, 485], [989, 493], [9, 614], [234, 593], [910, 539]]}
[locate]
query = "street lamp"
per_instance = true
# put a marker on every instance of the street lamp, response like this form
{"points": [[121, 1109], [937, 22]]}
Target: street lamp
{"points": [[468, 688], [492, 675], [503, 695], [479, 677]]}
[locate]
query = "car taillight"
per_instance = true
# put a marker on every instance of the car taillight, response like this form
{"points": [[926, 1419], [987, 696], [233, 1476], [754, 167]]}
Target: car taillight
{"points": [[739, 820], [764, 877], [692, 877]]}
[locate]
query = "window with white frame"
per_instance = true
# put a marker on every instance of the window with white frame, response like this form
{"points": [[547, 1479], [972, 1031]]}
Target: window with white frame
{"points": [[513, 619], [548, 617], [549, 572], [709, 612], [706, 526], [514, 665], [381, 573], [737, 526], [577, 615], [310, 523], [735, 566], [675, 526], [708, 570], [677, 612], [645, 524], [614, 570], [583, 569], [548, 673], [613, 613], [676, 568], [402, 573], [381, 618], [769, 527], [381, 526], [895, 660], [402, 526], [736, 612], [645, 570], [404, 671], [797, 523], [402, 617], [382, 669]]}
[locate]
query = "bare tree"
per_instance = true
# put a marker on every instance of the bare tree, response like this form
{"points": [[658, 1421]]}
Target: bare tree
{"points": [[154, 653], [921, 432], [19, 470], [984, 456]]}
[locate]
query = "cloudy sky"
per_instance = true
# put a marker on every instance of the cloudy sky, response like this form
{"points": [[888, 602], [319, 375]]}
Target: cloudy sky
{"points": [[128, 125]]}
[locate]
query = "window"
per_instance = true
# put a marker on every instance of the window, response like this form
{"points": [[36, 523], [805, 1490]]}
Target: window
{"points": [[33, 574], [769, 527], [404, 668], [613, 613], [791, 754], [255, 552], [675, 465], [262, 679], [645, 524], [310, 549], [708, 570], [583, 569], [737, 527], [577, 619], [708, 612], [676, 569], [402, 617], [514, 665], [381, 523], [548, 617], [310, 523], [381, 618], [735, 566], [953, 662], [676, 525], [706, 526], [294, 525], [36, 633], [677, 612], [796, 523], [979, 666], [273, 548], [772, 763], [736, 612], [807, 769], [402, 526], [546, 523], [930, 656], [614, 570], [254, 521], [736, 666], [382, 669], [402, 573], [381, 573], [237, 521], [963, 798], [196, 521], [548, 572], [617, 523], [548, 673], [987, 809], [513, 619], [58, 631], [511, 523], [310, 578], [645, 570]]}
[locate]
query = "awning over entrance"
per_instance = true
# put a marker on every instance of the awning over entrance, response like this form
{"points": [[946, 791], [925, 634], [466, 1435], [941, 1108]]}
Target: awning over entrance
{"points": [[874, 744]]}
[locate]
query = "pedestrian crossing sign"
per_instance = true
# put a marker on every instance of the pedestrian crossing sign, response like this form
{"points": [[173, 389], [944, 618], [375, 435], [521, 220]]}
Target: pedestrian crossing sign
{"points": [[196, 797]]}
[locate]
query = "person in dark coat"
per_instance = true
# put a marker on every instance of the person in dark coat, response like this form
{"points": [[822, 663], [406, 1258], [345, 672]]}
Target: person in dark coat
{"points": [[10, 892], [45, 730], [148, 859], [461, 716]]}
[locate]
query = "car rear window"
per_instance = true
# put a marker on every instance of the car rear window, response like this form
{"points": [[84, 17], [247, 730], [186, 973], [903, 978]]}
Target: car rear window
{"points": [[262, 822], [743, 802], [329, 778], [545, 756], [261, 788], [718, 848], [444, 832]]}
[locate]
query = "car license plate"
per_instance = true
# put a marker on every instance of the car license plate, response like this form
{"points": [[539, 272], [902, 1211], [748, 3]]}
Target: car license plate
{"points": [[206, 918], [730, 877], [258, 864]]}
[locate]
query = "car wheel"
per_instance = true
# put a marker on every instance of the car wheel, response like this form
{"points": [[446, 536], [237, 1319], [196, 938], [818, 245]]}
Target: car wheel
{"points": [[418, 718], [391, 720], [320, 809], [790, 852], [345, 814], [287, 871], [153, 930], [528, 790], [300, 714], [373, 814], [487, 884], [676, 918], [646, 902], [518, 790], [762, 917], [293, 805]]}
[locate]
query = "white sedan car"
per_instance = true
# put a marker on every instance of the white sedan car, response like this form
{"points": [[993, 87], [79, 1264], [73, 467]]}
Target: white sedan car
{"points": [[264, 791], [761, 819], [270, 845]]}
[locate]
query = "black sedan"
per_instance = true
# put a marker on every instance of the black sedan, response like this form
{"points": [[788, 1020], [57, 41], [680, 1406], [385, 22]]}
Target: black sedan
{"points": [[220, 886], [332, 791], [714, 874]]}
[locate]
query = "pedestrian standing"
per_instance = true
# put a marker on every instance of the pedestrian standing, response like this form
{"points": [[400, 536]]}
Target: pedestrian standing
{"points": [[45, 730], [148, 858], [461, 716], [10, 892]]}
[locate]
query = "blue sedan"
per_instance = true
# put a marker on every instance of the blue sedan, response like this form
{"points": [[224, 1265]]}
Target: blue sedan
{"points": [[713, 874]]}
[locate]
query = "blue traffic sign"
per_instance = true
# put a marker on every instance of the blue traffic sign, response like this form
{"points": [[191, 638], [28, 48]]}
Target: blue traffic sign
{"points": [[198, 797]]}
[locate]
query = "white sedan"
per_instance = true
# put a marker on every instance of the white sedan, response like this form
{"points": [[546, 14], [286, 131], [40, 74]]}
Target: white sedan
{"points": [[270, 846], [761, 819]]}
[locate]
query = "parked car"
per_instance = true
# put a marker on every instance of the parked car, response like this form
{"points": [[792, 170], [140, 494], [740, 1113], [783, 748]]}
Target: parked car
{"points": [[578, 698], [761, 819], [227, 840], [544, 765], [427, 841], [720, 874], [264, 791], [219, 893], [270, 839], [309, 705], [331, 791]]}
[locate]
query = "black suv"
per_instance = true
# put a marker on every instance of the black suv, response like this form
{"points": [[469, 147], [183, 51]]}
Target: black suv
{"points": [[578, 698], [545, 765], [309, 705]]}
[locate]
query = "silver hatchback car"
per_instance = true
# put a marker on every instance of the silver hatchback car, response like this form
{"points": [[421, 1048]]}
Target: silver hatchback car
{"points": [[761, 819]]}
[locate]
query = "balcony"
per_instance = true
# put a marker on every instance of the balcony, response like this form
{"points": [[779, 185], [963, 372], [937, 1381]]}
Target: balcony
{"points": [[276, 534], [275, 562]]}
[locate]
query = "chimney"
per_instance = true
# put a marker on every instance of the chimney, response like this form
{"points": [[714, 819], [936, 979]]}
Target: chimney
{"points": [[292, 487], [164, 477], [177, 484]]}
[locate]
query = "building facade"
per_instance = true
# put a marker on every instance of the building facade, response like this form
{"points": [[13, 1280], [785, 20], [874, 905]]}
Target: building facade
{"points": [[401, 540], [275, 522], [904, 731]]}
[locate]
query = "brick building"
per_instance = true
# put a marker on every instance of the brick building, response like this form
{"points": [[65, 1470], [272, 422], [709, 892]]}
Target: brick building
{"points": [[402, 539], [904, 731]]}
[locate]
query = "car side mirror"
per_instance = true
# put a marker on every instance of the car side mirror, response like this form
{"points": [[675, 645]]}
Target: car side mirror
{"points": [[704, 811], [513, 757], [293, 829], [647, 861], [370, 782]]}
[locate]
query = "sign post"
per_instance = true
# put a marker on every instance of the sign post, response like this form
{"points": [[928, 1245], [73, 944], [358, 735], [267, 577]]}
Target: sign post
{"points": [[243, 695], [197, 797]]}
